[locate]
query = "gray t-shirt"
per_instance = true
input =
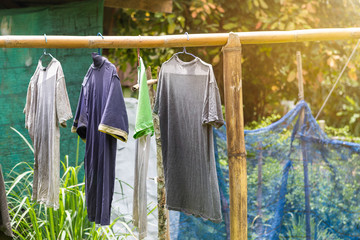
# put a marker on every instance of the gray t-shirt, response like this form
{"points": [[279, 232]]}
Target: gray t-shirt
{"points": [[188, 104], [5, 226], [47, 108]]}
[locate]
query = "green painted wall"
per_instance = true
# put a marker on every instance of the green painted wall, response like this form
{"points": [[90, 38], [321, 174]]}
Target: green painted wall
{"points": [[18, 65]]}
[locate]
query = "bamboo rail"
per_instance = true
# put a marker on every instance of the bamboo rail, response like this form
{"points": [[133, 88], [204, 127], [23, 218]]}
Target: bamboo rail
{"points": [[195, 40]]}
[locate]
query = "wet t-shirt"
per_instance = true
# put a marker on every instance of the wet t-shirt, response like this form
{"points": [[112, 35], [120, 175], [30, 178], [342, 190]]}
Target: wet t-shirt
{"points": [[188, 104], [100, 119], [47, 108]]}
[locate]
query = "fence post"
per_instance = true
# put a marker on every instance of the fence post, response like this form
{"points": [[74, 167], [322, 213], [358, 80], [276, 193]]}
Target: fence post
{"points": [[303, 155], [235, 137]]}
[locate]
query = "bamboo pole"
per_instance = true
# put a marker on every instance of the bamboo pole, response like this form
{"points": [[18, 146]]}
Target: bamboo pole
{"points": [[235, 137], [303, 155], [259, 195], [195, 40], [163, 213], [149, 82], [300, 75]]}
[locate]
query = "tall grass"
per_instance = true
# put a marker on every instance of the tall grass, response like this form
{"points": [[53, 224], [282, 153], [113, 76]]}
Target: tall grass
{"points": [[31, 220], [295, 229]]}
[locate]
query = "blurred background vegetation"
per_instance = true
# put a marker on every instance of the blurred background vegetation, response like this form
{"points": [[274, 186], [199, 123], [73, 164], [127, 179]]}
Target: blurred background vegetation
{"points": [[269, 70]]}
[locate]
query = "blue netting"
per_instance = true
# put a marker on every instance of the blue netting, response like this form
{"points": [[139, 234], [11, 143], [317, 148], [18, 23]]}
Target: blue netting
{"points": [[277, 158]]}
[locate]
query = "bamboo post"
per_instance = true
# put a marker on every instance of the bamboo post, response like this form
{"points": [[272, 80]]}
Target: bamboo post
{"points": [[300, 75], [149, 82], [163, 213], [259, 220], [235, 137], [303, 155]]}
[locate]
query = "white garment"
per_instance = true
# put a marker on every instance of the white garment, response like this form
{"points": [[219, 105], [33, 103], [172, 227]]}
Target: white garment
{"points": [[124, 189], [142, 151], [47, 107]]}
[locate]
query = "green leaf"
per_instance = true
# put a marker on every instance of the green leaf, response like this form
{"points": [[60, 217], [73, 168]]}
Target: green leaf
{"points": [[263, 4], [230, 26], [171, 28], [181, 20], [25, 140]]}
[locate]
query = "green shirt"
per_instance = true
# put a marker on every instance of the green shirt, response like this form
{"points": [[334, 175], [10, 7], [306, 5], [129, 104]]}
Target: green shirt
{"points": [[144, 123]]}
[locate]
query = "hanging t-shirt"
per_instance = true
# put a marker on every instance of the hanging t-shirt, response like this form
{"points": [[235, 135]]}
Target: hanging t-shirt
{"points": [[47, 107], [144, 123], [100, 119], [144, 128], [5, 226], [188, 104]]}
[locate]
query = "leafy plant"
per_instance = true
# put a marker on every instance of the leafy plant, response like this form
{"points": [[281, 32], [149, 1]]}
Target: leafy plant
{"points": [[296, 230], [31, 220], [269, 70]]}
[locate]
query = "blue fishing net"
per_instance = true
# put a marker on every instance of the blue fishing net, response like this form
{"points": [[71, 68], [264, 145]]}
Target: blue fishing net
{"points": [[290, 163]]}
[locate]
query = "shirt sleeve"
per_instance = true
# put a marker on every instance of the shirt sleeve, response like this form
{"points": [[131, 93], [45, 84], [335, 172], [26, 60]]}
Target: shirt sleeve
{"points": [[63, 108], [28, 111], [158, 93], [81, 117], [114, 120], [212, 113]]}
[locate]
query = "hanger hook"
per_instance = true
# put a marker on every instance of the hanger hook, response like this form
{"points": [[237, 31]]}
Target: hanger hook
{"points": [[99, 34], [45, 42], [187, 35]]}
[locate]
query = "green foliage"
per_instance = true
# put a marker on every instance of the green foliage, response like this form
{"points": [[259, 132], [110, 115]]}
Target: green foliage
{"points": [[342, 133], [269, 71], [264, 122], [296, 230], [32, 220]]}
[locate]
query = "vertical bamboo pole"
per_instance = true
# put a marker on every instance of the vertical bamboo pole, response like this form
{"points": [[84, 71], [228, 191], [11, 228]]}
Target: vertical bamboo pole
{"points": [[300, 75], [303, 155], [259, 220], [235, 137], [163, 213]]}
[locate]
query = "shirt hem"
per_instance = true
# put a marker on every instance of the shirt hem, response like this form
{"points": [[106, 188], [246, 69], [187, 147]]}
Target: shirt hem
{"points": [[217, 123], [97, 221], [45, 202], [73, 130], [194, 213], [6, 229], [144, 130], [62, 121], [115, 132]]}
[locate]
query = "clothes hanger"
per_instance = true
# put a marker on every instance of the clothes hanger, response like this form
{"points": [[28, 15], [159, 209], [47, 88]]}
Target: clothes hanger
{"points": [[46, 53], [184, 50], [99, 34], [138, 52], [138, 56]]}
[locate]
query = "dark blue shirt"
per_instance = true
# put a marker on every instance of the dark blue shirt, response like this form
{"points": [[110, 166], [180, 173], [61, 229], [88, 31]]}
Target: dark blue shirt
{"points": [[100, 119]]}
